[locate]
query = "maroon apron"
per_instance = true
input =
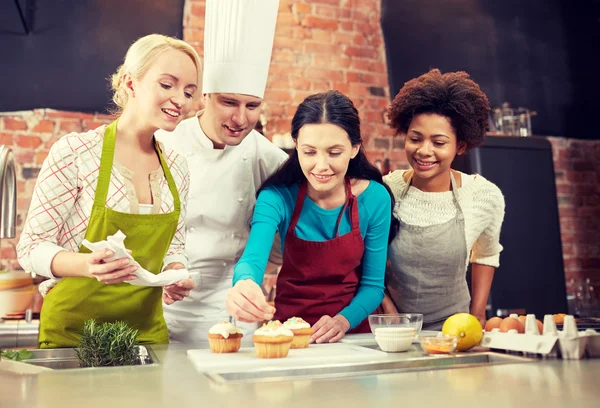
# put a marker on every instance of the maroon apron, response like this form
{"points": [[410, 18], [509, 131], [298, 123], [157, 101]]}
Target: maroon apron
{"points": [[320, 278]]}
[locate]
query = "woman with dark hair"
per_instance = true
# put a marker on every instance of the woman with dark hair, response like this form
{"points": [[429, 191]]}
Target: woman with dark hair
{"points": [[333, 214], [446, 217]]}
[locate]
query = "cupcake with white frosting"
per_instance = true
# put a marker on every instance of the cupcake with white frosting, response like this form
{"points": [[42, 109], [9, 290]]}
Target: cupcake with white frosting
{"points": [[224, 338], [301, 329], [272, 340]]}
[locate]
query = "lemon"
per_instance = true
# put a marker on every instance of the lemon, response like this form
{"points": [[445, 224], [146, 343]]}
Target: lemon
{"points": [[466, 327]]}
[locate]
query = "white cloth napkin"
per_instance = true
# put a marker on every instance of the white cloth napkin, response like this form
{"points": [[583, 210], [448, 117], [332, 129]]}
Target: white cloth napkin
{"points": [[116, 244]]}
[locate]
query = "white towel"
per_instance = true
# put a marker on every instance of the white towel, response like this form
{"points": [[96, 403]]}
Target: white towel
{"points": [[116, 244]]}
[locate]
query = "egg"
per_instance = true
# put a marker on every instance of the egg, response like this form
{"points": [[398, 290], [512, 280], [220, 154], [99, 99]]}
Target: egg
{"points": [[522, 319], [511, 323], [540, 326], [493, 323]]}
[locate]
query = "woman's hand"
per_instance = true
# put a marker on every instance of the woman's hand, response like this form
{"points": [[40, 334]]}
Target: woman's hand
{"points": [[480, 315], [177, 291], [109, 272], [330, 329], [246, 302], [388, 305]]}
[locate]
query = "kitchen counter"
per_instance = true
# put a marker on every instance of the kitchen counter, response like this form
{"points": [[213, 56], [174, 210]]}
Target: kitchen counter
{"points": [[174, 382]]}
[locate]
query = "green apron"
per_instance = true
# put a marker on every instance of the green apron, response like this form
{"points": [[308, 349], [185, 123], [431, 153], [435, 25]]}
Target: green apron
{"points": [[74, 300]]}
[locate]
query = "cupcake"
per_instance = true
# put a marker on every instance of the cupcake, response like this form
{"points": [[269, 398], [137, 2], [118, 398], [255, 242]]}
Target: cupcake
{"points": [[224, 338], [301, 329], [272, 340]]}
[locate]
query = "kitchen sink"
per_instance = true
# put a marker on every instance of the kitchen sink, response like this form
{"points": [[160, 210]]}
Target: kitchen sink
{"points": [[337, 371], [66, 358]]}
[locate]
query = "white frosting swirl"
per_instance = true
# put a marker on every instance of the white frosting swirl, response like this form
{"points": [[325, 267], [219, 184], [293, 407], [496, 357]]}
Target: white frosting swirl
{"points": [[273, 329], [296, 323], [224, 329]]}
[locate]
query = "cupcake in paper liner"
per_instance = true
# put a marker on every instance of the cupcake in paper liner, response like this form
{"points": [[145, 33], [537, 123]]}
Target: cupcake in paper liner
{"points": [[301, 329], [272, 340], [224, 338]]}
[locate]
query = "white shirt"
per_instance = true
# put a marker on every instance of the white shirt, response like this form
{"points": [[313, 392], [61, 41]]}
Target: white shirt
{"points": [[481, 202], [223, 185]]}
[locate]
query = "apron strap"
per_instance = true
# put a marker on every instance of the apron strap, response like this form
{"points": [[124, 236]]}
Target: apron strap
{"points": [[168, 176], [452, 183], [407, 186], [298, 207], [106, 163], [350, 202], [455, 195]]}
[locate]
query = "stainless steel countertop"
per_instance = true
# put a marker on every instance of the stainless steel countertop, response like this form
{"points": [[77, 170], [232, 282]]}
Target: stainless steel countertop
{"points": [[176, 383]]}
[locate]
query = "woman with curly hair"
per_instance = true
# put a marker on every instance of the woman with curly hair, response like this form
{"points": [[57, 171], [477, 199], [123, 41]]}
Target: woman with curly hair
{"points": [[447, 218]]}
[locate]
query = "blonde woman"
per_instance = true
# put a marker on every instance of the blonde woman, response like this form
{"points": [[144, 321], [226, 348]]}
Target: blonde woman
{"points": [[112, 178]]}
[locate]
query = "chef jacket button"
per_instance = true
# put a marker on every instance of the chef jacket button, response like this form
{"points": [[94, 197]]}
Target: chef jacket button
{"points": [[157, 194], [244, 158], [191, 229], [234, 235], [224, 263], [240, 200]]}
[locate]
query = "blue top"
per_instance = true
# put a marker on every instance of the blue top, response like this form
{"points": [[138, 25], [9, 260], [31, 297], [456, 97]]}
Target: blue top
{"points": [[273, 212]]}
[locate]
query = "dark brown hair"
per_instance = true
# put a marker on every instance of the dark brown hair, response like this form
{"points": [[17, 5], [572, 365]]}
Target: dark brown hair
{"points": [[453, 95], [337, 109]]}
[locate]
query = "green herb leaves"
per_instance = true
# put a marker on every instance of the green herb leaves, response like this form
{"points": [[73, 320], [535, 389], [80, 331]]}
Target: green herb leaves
{"points": [[16, 355], [107, 344]]}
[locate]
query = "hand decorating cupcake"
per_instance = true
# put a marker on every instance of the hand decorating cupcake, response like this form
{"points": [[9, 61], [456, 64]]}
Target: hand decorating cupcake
{"points": [[272, 340], [224, 338], [301, 329]]}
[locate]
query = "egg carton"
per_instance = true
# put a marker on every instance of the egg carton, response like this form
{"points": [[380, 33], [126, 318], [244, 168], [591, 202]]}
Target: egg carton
{"points": [[568, 343]]}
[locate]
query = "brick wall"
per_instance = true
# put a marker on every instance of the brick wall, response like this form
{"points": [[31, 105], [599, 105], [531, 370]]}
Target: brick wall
{"points": [[323, 44], [30, 134], [577, 170]]}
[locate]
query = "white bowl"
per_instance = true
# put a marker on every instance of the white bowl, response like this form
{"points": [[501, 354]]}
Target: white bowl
{"points": [[394, 339], [393, 344], [395, 331]]}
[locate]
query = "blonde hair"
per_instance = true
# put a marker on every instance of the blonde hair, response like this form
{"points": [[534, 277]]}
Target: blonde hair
{"points": [[140, 57]]}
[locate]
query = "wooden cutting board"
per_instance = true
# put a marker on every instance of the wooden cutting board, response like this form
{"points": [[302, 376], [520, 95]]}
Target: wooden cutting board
{"points": [[245, 359]]}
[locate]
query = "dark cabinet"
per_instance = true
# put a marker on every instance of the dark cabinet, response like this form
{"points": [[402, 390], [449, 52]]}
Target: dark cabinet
{"points": [[531, 273]]}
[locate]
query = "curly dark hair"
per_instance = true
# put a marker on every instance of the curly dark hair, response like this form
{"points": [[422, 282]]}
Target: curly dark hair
{"points": [[453, 95]]}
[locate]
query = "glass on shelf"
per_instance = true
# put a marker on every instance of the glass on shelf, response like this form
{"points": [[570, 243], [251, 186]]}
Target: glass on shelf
{"points": [[510, 121]]}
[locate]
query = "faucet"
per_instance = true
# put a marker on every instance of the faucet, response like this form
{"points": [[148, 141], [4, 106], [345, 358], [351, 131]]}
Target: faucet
{"points": [[8, 193]]}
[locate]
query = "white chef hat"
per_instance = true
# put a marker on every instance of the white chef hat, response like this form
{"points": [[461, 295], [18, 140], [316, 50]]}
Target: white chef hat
{"points": [[238, 40]]}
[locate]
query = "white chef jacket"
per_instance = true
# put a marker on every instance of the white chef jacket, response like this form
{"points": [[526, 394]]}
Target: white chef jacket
{"points": [[222, 195]]}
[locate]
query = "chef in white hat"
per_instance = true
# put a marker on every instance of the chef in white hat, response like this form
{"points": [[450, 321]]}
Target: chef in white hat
{"points": [[228, 160]]}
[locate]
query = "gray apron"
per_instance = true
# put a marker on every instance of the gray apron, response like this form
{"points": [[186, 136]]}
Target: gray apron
{"points": [[427, 273]]}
